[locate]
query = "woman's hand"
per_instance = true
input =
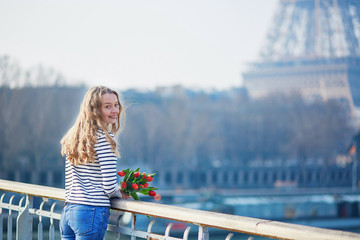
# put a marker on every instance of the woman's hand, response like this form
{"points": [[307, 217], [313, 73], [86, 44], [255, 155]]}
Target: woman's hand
{"points": [[124, 195]]}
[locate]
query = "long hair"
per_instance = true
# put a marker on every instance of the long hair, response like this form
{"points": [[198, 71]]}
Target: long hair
{"points": [[78, 143]]}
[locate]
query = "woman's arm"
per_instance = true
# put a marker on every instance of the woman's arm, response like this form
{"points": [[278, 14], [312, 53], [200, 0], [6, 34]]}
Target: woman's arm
{"points": [[108, 162]]}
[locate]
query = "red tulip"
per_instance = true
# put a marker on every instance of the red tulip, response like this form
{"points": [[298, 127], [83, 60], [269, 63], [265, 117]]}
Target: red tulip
{"points": [[123, 185], [152, 193], [121, 173], [157, 197], [135, 186], [149, 179]]}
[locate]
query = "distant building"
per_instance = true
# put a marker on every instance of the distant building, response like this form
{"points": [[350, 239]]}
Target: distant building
{"points": [[319, 79], [313, 49]]}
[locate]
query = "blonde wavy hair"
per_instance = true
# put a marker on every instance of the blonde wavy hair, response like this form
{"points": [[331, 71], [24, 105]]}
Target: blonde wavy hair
{"points": [[78, 143]]}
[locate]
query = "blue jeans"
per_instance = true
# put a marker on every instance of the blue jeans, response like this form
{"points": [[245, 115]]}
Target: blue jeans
{"points": [[83, 222]]}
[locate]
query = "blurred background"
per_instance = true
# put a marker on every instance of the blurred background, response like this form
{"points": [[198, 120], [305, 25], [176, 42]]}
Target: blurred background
{"points": [[242, 107]]}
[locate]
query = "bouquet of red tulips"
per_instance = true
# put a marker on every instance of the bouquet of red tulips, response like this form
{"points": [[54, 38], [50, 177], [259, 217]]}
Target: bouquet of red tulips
{"points": [[135, 182]]}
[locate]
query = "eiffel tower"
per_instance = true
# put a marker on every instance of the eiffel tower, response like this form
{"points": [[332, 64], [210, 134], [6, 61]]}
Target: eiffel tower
{"points": [[312, 48]]}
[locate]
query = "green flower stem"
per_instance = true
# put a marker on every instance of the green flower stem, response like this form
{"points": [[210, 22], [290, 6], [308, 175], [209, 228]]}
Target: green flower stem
{"points": [[135, 196]]}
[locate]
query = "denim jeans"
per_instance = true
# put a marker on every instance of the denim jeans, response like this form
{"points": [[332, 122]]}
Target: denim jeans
{"points": [[83, 222]]}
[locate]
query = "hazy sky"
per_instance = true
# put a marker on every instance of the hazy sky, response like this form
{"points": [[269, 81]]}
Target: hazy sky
{"points": [[137, 43]]}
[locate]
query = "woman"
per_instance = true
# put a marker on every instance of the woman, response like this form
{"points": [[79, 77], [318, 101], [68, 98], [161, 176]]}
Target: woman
{"points": [[90, 169]]}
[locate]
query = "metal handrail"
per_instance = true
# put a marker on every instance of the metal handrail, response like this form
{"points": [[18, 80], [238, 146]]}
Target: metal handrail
{"points": [[253, 226]]}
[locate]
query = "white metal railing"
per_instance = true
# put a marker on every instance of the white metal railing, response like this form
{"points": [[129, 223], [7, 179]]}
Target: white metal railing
{"points": [[198, 218]]}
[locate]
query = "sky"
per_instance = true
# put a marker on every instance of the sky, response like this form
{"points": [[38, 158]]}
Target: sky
{"points": [[140, 44]]}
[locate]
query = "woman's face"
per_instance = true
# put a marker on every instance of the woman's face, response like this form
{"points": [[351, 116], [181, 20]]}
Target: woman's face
{"points": [[109, 108]]}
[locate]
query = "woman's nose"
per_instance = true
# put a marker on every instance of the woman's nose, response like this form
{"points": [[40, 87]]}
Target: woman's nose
{"points": [[115, 109]]}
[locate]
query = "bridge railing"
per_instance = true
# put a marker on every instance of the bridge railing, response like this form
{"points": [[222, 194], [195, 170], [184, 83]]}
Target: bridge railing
{"points": [[202, 221]]}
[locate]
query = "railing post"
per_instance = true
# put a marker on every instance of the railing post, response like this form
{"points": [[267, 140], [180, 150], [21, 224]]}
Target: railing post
{"points": [[203, 233], [52, 227], [1, 224], [1, 217], [117, 224], [9, 223], [40, 225], [24, 221], [133, 226]]}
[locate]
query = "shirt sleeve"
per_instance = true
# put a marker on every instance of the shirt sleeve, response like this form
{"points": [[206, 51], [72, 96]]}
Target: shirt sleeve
{"points": [[108, 161]]}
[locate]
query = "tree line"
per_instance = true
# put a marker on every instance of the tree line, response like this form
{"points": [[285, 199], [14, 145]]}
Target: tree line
{"points": [[227, 128], [176, 127], [169, 127]]}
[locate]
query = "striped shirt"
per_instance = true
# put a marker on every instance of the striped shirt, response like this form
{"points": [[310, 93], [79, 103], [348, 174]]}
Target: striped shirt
{"points": [[96, 182]]}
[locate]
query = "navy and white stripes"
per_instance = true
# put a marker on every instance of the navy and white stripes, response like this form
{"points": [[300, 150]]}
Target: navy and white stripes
{"points": [[93, 183]]}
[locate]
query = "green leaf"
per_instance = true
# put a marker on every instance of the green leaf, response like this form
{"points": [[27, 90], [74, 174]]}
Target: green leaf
{"points": [[127, 172]]}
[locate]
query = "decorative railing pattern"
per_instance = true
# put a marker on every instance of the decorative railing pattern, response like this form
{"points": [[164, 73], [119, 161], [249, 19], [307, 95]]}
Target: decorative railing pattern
{"points": [[203, 220]]}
